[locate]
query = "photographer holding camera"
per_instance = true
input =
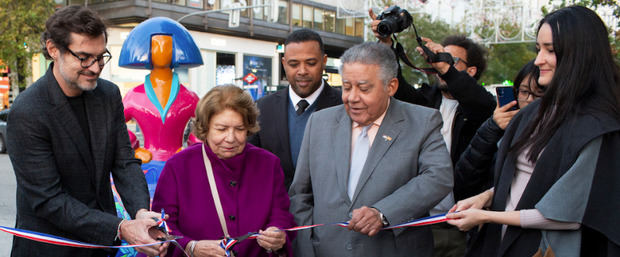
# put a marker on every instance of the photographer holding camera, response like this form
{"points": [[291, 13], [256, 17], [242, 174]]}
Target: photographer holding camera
{"points": [[464, 104]]}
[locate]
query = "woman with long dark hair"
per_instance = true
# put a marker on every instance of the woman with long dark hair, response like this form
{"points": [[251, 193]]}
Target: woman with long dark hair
{"points": [[557, 181]]}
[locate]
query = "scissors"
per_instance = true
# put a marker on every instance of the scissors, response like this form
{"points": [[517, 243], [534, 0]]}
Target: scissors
{"points": [[163, 227]]}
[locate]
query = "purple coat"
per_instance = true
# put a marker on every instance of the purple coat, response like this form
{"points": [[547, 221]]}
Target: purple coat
{"points": [[251, 190]]}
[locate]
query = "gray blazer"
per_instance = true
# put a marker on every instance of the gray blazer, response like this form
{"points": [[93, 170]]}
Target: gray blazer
{"points": [[403, 177], [63, 186]]}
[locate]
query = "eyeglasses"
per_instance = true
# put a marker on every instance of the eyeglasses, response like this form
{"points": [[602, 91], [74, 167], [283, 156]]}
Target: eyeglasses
{"points": [[525, 94], [457, 59], [89, 60]]}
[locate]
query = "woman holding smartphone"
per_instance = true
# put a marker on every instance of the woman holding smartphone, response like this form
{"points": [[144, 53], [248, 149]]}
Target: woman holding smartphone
{"points": [[475, 166], [557, 182]]}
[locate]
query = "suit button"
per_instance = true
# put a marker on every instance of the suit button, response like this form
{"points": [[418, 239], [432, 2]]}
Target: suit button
{"points": [[231, 217], [349, 246], [233, 183]]}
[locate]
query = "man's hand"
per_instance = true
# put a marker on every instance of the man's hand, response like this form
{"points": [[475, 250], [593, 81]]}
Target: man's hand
{"points": [[441, 67], [373, 25], [366, 220], [142, 231]]}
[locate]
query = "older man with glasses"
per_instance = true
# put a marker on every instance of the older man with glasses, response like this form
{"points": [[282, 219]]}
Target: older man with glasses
{"points": [[66, 136]]}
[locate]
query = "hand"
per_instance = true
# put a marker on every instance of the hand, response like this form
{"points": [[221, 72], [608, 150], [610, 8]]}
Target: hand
{"points": [[146, 214], [441, 67], [139, 231], [366, 221], [209, 248], [143, 154], [475, 202], [271, 239], [467, 219], [502, 116], [373, 25]]}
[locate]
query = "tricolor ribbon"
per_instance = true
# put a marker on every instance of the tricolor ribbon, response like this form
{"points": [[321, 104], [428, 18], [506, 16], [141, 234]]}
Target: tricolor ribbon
{"points": [[227, 245], [55, 240]]}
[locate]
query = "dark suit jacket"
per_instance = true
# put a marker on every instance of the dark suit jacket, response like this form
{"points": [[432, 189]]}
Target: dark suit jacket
{"points": [[273, 120], [63, 187]]}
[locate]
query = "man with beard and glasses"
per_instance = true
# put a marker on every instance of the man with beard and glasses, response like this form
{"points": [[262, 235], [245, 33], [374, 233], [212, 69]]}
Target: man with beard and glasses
{"points": [[464, 105], [66, 136], [283, 115]]}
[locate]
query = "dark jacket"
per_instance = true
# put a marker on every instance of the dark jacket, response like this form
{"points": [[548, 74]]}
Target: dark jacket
{"points": [[603, 206], [63, 186], [476, 104], [475, 167], [273, 120]]}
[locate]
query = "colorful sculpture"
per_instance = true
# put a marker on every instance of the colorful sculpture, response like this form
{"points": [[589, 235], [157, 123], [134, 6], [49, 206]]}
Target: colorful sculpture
{"points": [[161, 106]]}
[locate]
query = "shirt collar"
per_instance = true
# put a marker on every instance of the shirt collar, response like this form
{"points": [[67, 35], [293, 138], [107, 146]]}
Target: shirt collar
{"points": [[311, 98]]}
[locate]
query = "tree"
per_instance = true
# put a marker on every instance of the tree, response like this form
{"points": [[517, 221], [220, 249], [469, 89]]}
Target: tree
{"points": [[433, 29], [21, 23], [505, 61], [614, 34]]}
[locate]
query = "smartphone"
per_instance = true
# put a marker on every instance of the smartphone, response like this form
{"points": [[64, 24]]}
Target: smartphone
{"points": [[505, 95]]}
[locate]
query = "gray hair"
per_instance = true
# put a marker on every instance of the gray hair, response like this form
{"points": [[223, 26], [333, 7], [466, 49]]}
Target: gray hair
{"points": [[373, 54]]}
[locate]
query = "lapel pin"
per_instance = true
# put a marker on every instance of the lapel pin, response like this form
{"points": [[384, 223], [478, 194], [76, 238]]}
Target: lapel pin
{"points": [[387, 138]]}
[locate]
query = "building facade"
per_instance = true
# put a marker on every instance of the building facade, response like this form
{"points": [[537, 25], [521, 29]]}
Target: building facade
{"points": [[229, 53]]}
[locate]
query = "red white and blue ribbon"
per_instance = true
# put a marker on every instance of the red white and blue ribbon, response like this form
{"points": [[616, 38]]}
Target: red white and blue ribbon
{"points": [[226, 244], [55, 240]]}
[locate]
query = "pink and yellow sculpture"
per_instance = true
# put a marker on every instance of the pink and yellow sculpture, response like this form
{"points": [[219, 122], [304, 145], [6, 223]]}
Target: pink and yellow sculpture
{"points": [[161, 106]]}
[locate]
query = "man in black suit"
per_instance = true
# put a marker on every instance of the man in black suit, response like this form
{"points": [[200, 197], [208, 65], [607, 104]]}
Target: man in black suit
{"points": [[66, 135], [283, 115]]}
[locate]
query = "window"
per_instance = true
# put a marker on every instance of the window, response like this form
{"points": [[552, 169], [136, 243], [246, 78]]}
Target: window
{"points": [[318, 19], [340, 22], [282, 12], [296, 15], [329, 20], [194, 3], [307, 16], [349, 26], [359, 27], [177, 2], [224, 69]]}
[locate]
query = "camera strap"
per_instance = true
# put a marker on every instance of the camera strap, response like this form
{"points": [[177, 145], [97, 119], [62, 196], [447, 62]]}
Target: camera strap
{"points": [[431, 57]]}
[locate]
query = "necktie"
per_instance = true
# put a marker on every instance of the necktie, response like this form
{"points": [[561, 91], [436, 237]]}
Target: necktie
{"points": [[358, 158], [301, 106]]}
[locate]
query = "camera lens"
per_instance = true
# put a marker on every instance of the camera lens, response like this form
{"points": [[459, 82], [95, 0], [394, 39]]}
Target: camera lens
{"points": [[386, 28]]}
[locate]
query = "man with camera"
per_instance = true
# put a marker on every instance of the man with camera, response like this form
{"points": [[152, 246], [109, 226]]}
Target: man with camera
{"points": [[464, 104]]}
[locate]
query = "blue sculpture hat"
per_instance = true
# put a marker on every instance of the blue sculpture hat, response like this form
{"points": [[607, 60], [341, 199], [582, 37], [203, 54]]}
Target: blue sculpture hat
{"points": [[136, 51]]}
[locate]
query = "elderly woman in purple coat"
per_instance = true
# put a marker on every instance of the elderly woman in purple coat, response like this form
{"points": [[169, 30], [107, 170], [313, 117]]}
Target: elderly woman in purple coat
{"points": [[248, 182]]}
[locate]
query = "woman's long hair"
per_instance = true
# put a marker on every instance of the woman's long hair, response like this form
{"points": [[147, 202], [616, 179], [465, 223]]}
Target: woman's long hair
{"points": [[586, 78]]}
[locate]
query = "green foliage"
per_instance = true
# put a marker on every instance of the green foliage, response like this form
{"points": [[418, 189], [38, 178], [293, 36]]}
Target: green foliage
{"points": [[614, 36], [22, 24], [433, 29], [505, 61]]}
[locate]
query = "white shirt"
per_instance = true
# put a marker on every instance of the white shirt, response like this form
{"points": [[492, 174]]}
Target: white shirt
{"points": [[311, 98], [448, 111]]}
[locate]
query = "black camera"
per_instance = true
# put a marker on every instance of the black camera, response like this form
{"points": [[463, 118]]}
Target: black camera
{"points": [[393, 20]]}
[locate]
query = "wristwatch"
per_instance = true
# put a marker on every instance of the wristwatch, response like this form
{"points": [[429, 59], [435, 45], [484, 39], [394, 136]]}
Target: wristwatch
{"points": [[383, 219]]}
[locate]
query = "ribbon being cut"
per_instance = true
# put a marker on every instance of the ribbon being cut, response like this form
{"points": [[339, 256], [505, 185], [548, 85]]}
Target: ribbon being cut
{"points": [[227, 244]]}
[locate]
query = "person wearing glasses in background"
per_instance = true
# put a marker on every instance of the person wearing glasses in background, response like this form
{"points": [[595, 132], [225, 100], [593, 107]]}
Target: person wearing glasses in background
{"points": [[464, 105], [476, 164], [66, 136]]}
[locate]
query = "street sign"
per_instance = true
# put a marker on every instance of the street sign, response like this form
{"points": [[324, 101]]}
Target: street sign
{"points": [[234, 15], [250, 78]]}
